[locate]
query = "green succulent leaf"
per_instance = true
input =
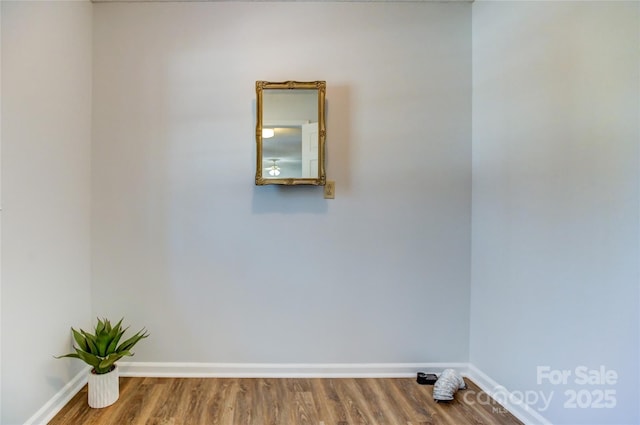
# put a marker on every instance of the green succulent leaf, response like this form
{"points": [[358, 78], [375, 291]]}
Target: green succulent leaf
{"points": [[107, 326], [101, 350], [100, 326], [72, 355], [117, 328], [91, 342], [80, 340], [102, 342], [128, 344], [107, 363], [115, 335], [89, 358]]}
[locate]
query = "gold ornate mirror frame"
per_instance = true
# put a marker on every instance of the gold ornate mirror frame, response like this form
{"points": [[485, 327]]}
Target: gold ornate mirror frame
{"points": [[287, 122]]}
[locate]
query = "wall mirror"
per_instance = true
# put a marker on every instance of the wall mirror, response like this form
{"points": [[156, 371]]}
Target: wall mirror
{"points": [[290, 133]]}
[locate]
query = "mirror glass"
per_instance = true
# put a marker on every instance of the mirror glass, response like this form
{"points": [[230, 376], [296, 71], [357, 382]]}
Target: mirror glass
{"points": [[290, 133]]}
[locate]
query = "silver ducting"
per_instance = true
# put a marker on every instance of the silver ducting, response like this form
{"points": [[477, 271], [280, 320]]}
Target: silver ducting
{"points": [[447, 384]]}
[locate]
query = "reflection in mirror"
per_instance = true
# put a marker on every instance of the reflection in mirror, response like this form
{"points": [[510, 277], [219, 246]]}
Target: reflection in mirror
{"points": [[290, 133]]}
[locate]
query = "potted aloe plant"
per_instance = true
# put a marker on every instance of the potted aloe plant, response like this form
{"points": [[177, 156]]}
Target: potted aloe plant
{"points": [[101, 350]]}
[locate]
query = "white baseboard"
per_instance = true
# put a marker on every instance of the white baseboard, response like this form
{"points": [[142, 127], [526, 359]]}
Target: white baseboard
{"points": [[59, 400], [283, 370], [522, 411]]}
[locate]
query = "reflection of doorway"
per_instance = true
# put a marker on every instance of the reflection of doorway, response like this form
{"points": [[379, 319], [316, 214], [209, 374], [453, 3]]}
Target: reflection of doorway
{"points": [[310, 150]]}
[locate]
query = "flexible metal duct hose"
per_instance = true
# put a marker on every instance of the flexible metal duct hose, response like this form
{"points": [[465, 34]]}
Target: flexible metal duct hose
{"points": [[447, 384]]}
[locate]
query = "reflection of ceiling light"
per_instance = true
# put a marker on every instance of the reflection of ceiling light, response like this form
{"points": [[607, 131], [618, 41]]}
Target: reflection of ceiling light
{"points": [[274, 170], [267, 133]]}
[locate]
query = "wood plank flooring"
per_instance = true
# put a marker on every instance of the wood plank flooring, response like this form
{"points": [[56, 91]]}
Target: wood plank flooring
{"points": [[285, 401]]}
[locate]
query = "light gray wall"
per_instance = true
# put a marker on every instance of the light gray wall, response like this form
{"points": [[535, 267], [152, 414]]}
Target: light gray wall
{"points": [[222, 271], [46, 120], [555, 199]]}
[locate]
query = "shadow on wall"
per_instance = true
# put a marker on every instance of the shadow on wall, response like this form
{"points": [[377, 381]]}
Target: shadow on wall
{"points": [[289, 199]]}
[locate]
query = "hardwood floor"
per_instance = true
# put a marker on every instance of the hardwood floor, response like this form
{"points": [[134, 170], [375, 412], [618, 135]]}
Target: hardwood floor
{"points": [[271, 401]]}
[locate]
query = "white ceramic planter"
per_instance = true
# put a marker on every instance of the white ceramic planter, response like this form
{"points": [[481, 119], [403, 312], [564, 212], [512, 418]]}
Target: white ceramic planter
{"points": [[104, 389]]}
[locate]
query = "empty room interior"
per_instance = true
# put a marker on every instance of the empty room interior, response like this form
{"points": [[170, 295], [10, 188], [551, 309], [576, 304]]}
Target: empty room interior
{"points": [[486, 215]]}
